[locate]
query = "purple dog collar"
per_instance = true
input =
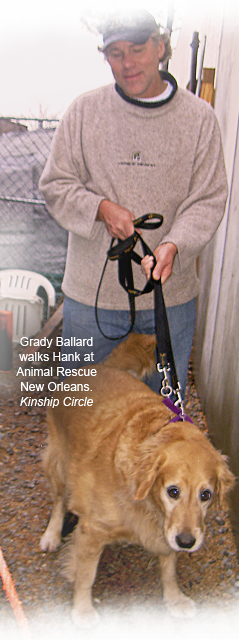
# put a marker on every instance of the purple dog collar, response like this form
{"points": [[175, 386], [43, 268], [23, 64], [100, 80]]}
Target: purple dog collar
{"points": [[169, 404]]}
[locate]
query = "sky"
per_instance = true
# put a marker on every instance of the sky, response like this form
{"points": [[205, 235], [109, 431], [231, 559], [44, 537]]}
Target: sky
{"points": [[48, 58]]}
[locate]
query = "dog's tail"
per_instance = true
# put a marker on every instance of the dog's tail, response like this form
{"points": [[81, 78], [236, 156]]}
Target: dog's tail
{"points": [[136, 355]]}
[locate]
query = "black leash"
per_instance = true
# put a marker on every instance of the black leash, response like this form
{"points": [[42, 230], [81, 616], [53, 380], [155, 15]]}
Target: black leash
{"points": [[124, 253], [165, 359]]}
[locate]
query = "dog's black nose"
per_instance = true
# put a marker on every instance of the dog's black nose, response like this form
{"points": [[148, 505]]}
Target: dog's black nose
{"points": [[185, 540]]}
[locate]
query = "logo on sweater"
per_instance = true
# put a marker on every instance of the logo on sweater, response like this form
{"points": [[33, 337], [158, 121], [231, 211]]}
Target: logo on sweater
{"points": [[136, 161]]}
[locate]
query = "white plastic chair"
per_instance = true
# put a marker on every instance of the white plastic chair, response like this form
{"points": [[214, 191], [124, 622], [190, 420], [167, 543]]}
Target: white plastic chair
{"points": [[19, 294]]}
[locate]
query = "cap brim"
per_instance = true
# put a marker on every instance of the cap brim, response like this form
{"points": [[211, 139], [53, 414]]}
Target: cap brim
{"points": [[130, 36]]}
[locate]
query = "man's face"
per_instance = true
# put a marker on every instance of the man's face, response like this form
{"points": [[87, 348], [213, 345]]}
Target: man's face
{"points": [[135, 67]]}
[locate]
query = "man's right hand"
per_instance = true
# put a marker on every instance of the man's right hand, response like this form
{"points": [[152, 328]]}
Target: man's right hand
{"points": [[118, 220], [164, 254]]}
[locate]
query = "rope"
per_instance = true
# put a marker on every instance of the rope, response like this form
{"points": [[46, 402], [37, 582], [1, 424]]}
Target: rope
{"points": [[11, 594]]}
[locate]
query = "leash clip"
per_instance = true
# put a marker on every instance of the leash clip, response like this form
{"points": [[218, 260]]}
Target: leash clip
{"points": [[179, 402], [166, 390]]}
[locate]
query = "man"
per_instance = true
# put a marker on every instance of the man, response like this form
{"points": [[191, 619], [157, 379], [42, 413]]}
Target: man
{"points": [[141, 145]]}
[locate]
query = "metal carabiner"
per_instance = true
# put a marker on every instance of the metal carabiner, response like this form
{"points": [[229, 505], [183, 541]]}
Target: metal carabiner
{"points": [[166, 390], [179, 402]]}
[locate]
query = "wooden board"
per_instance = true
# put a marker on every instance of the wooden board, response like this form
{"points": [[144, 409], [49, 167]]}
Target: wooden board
{"points": [[207, 85]]}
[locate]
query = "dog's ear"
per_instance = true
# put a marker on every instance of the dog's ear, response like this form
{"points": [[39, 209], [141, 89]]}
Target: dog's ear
{"points": [[139, 466], [147, 476], [226, 482]]}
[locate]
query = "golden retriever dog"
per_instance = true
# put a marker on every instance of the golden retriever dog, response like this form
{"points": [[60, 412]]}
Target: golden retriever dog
{"points": [[130, 474]]}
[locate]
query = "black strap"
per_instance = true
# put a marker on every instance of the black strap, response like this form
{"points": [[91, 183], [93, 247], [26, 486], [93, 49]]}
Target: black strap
{"points": [[124, 252], [164, 349]]}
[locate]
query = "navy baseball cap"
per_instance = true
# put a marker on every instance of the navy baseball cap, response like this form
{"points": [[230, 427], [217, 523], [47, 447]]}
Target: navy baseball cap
{"points": [[136, 27]]}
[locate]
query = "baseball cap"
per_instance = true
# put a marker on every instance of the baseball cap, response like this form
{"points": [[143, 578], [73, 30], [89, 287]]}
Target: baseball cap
{"points": [[136, 27]]}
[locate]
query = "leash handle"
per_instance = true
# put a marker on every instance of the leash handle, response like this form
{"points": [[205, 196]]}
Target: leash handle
{"points": [[145, 222], [124, 253], [148, 221]]}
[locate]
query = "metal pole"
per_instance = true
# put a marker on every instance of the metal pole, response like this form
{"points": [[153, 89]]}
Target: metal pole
{"points": [[23, 200], [201, 68], [193, 77]]}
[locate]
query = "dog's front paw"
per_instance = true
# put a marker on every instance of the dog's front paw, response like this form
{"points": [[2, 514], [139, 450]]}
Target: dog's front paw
{"points": [[85, 619], [182, 607], [50, 540]]}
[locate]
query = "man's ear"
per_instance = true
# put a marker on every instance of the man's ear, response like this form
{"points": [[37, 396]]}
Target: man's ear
{"points": [[160, 49]]}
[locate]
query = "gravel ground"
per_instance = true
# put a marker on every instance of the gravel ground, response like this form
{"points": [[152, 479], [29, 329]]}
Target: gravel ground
{"points": [[127, 590]]}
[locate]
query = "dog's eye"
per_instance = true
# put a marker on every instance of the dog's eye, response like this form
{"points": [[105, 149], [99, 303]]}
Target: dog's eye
{"points": [[173, 492], [205, 495]]}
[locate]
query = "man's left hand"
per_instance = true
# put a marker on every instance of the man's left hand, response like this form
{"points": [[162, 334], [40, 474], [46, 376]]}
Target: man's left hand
{"points": [[164, 254]]}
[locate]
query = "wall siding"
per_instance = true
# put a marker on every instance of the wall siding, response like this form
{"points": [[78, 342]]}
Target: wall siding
{"points": [[216, 358]]}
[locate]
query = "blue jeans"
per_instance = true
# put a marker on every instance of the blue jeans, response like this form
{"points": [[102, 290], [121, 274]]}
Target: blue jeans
{"points": [[79, 322]]}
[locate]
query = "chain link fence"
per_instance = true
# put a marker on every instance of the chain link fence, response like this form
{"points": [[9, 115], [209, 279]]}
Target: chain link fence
{"points": [[29, 237]]}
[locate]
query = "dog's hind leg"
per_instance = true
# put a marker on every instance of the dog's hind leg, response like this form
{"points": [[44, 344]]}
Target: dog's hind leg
{"points": [[180, 606]]}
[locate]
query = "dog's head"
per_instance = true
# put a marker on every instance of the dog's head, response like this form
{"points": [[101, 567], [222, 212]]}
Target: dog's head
{"points": [[183, 475], [192, 478]]}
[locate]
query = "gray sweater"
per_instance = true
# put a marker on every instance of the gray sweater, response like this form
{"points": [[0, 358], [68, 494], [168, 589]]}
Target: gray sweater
{"points": [[167, 160]]}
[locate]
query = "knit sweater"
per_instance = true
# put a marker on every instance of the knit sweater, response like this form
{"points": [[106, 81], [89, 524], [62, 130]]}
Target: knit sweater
{"points": [[166, 160]]}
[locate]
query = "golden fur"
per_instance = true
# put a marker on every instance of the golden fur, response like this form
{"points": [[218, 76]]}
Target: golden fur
{"points": [[129, 473]]}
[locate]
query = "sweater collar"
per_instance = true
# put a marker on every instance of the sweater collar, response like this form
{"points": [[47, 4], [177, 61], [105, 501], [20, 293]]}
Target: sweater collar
{"points": [[151, 105]]}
